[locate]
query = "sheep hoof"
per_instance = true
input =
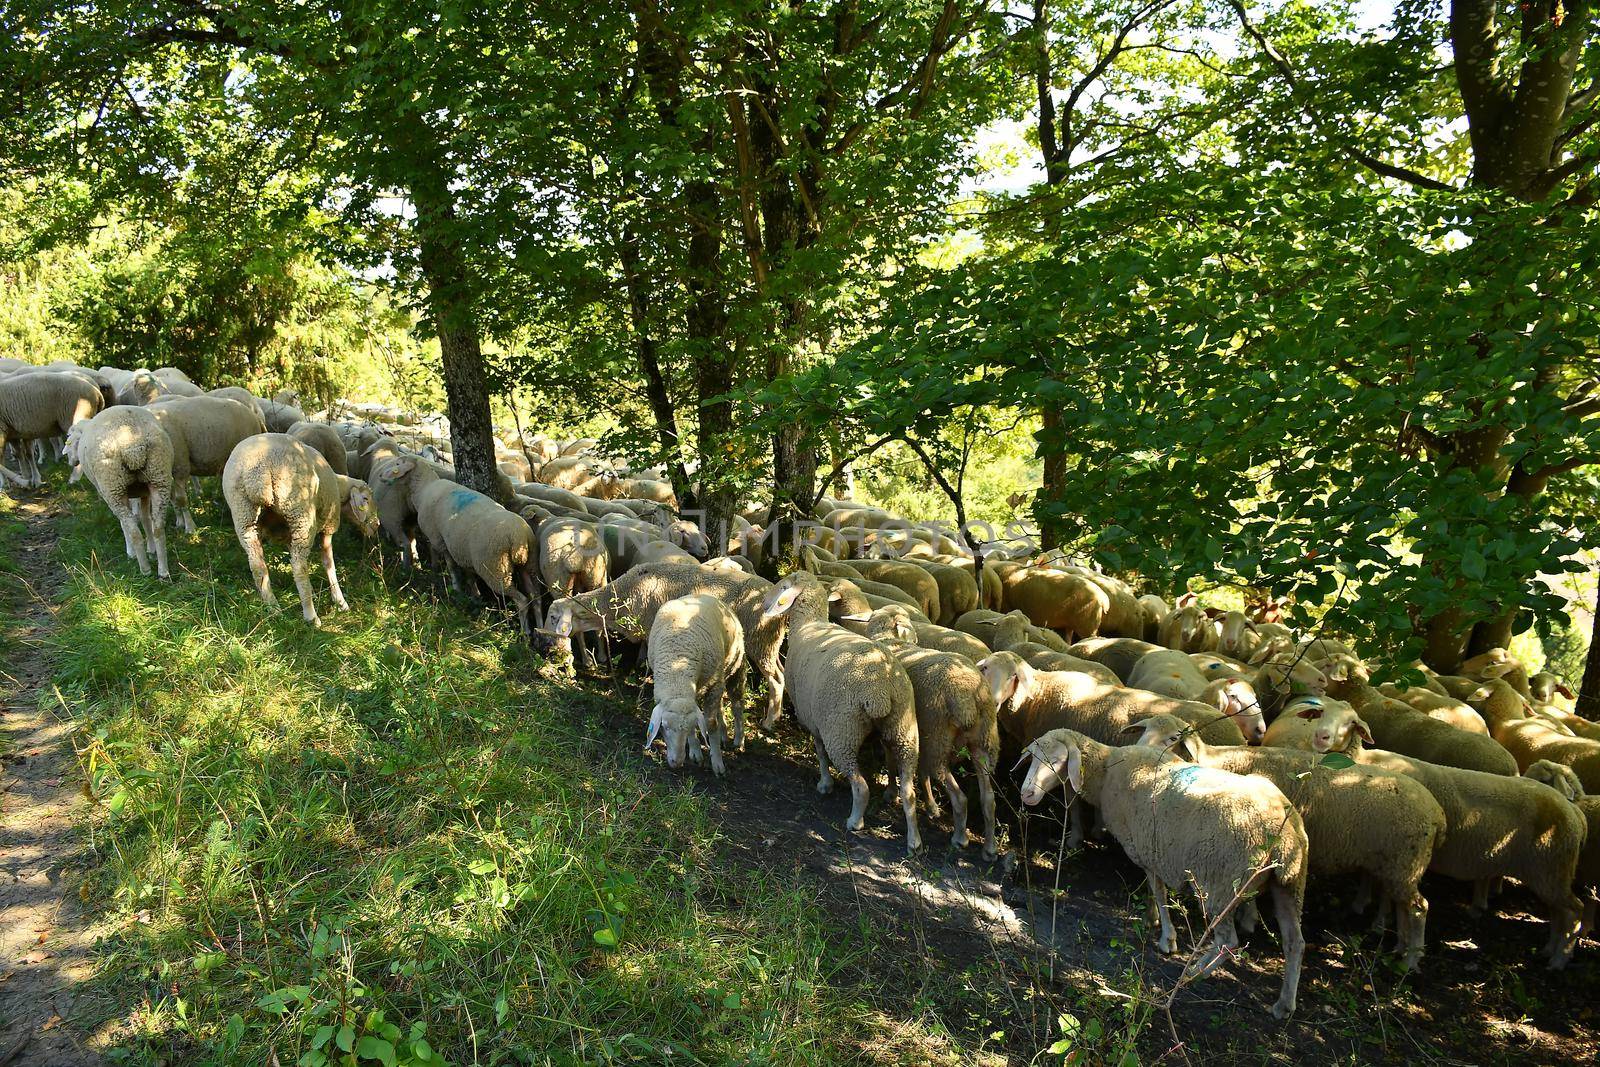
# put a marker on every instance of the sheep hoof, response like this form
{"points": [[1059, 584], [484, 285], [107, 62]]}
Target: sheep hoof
{"points": [[1283, 1009], [959, 840], [855, 824], [1166, 945], [990, 853], [825, 787]]}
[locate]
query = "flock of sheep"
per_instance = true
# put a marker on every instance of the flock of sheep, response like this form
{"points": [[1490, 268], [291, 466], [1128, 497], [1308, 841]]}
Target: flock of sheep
{"points": [[1200, 740]]}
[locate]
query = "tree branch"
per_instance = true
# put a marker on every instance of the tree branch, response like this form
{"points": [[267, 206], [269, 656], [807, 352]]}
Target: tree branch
{"points": [[1584, 459], [1365, 158]]}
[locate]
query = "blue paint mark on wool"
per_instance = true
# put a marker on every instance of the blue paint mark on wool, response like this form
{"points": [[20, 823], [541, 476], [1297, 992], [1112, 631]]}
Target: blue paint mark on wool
{"points": [[461, 498]]}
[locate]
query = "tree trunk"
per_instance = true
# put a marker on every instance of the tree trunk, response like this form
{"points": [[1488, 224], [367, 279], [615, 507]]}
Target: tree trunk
{"points": [[1589, 692], [655, 380]]}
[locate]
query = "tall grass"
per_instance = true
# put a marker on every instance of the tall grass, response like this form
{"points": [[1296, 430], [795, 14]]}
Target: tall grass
{"points": [[390, 841]]}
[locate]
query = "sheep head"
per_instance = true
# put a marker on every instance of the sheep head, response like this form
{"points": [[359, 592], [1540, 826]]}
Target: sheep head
{"points": [[1010, 679], [1057, 753], [360, 508], [1339, 727], [679, 722], [1236, 698], [1558, 776], [1168, 733], [1544, 686]]}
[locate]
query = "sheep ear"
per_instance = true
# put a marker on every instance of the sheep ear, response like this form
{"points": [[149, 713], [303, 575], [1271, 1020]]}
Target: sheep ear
{"points": [[1135, 727], [1566, 690], [1310, 711], [1261, 655], [1074, 768], [1366, 735], [654, 728], [1185, 600], [781, 603], [857, 617]]}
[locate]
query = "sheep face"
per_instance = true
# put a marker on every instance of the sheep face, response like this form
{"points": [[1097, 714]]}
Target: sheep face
{"points": [[1544, 686], [1557, 776], [680, 724], [687, 536], [1051, 758], [1236, 698], [361, 510], [1166, 732], [1338, 725], [567, 618], [1009, 678]]}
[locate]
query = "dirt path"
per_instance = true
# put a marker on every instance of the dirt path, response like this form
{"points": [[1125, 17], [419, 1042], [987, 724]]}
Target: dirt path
{"points": [[45, 945]]}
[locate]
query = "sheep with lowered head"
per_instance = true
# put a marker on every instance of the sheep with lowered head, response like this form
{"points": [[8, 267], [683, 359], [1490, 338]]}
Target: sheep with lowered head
{"points": [[1230, 834], [955, 711], [35, 407], [1561, 778], [325, 439], [846, 687], [274, 483], [627, 605], [476, 535], [1358, 819], [204, 431], [1496, 826], [696, 650], [127, 457]]}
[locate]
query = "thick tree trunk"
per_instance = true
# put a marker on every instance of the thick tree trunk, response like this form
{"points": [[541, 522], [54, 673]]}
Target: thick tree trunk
{"points": [[450, 305], [1589, 691], [1053, 477]]}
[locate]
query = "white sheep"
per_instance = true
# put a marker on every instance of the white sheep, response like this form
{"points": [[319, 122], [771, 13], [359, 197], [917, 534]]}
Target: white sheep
{"points": [[280, 417], [274, 483], [844, 688], [36, 407], [1497, 826], [696, 649], [473, 534], [325, 439], [1170, 673], [204, 431], [1188, 628], [1231, 835], [127, 457], [1358, 819], [955, 711]]}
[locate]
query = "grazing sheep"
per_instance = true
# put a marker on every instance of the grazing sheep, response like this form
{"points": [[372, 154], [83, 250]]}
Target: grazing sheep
{"points": [[629, 545], [1457, 713], [177, 383], [572, 560], [922, 634], [1031, 703], [1118, 653], [1544, 688], [628, 604], [549, 494], [958, 589], [1358, 819], [955, 710], [273, 482], [845, 687], [696, 658], [139, 389], [1401, 728], [1188, 628], [127, 457], [35, 407], [280, 417], [474, 534], [325, 439], [1170, 673], [1496, 826], [204, 431], [1232, 835]]}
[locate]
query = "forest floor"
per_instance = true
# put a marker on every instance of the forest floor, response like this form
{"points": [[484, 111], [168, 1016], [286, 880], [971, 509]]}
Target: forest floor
{"points": [[401, 835]]}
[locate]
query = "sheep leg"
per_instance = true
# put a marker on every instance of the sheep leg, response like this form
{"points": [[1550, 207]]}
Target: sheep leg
{"points": [[908, 802], [736, 697], [523, 595], [1286, 906], [249, 534], [715, 731], [928, 798], [958, 808], [991, 833], [132, 539], [155, 514], [300, 564], [7, 473], [825, 782], [1480, 897], [1167, 941], [333, 575], [1411, 923]]}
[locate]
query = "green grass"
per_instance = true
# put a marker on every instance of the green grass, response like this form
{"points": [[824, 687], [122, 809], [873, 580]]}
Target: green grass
{"points": [[392, 837]]}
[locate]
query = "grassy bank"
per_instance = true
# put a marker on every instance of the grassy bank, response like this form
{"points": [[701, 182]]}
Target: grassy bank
{"points": [[390, 841]]}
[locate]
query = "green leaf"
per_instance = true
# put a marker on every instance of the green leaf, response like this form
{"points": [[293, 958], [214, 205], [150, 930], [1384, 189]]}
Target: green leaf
{"points": [[375, 1048], [606, 936], [1336, 760]]}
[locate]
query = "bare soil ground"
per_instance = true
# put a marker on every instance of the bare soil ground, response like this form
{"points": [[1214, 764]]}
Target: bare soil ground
{"points": [[46, 948]]}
